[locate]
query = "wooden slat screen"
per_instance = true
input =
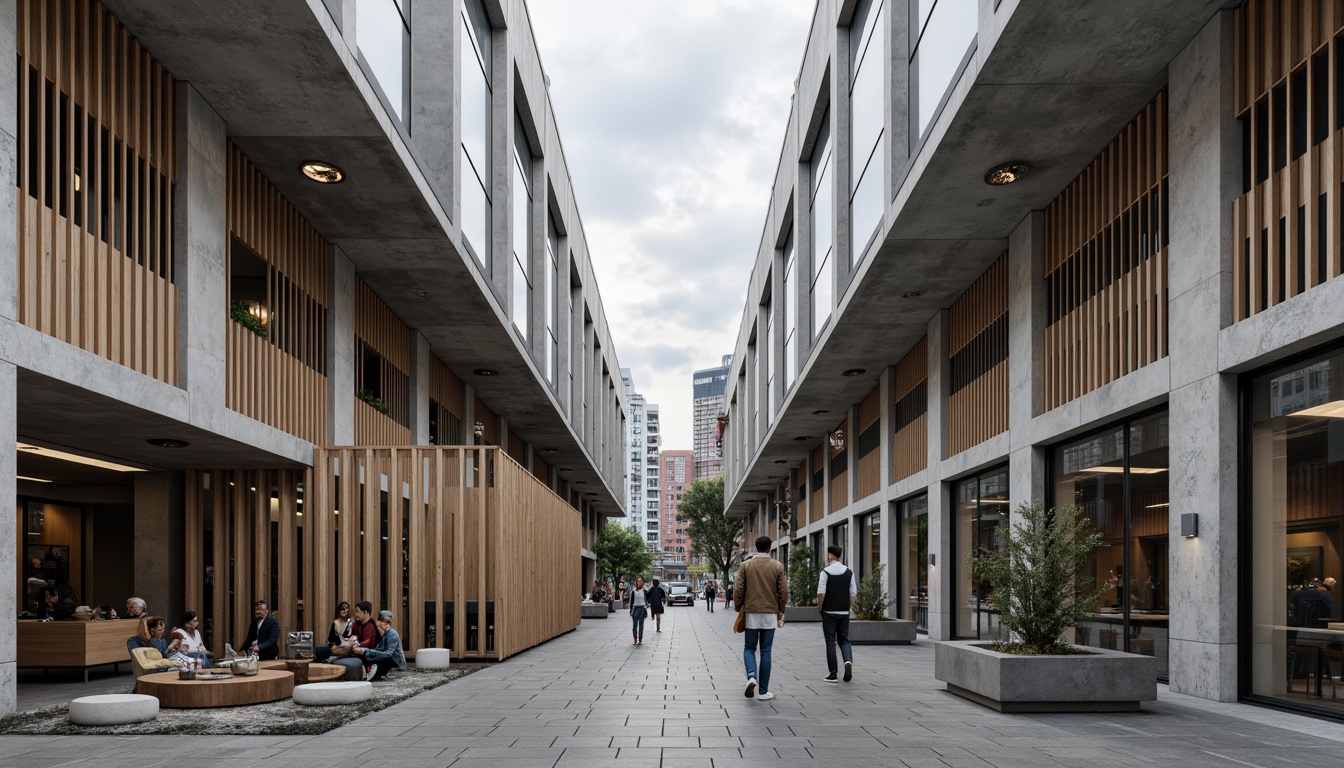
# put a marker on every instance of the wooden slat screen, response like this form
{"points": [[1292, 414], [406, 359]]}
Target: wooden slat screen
{"points": [[278, 379], [1106, 264], [910, 413], [977, 408], [253, 521], [96, 170], [838, 469], [516, 447], [460, 548], [817, 504], [867, 442], [449, 400], [1287, 221], [487, 417], [800, 505], [382, 362]]}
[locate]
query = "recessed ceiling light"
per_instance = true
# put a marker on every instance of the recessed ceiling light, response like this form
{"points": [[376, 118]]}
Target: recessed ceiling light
{"points": [[820, 411], [781, 461], [486, 372], [855, 372], [912, 294], [321, 172], [548, 450], [1006, 173], [168, 442], [424, 294], [802, 437]]}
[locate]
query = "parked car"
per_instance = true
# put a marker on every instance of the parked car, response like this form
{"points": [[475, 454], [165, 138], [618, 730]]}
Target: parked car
{"points": [[680, 592]]}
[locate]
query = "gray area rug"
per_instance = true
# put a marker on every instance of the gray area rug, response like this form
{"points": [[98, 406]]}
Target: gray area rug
{"points": [[283, 718]]}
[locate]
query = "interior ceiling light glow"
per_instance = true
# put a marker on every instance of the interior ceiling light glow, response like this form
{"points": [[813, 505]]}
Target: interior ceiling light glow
{"points": [[1006, 173], [1121, 470], [76, 458], [324, 173], [33, 479], [1331, 410]]}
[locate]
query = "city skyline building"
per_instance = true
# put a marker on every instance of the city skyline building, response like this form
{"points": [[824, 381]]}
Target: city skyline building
{"points": [[707, 405], [677, 469], [643, 440]]}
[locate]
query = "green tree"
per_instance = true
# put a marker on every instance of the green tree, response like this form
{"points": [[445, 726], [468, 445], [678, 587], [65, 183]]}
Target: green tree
{"points": [[621, 553], [871, 601], [713, 534], [1036, 572], [803, 576]]}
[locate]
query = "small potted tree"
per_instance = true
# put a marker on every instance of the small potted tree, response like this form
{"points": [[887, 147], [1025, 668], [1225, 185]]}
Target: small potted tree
{"points": [[1040, 594], [870, 625], [802, 585]]}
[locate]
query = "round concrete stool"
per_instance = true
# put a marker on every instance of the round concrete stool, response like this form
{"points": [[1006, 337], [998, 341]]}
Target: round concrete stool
{"points": [[327, 694], [432, 658], [113, 709]]}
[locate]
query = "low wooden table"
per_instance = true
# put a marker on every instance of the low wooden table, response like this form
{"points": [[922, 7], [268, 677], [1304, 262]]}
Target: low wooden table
{"points": [[317, 673], [266, 685]]}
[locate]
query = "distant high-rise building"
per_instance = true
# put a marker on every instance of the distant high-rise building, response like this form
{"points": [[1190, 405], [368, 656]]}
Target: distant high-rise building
{"points": [[641, 464], [708, 404], [677, 467]]}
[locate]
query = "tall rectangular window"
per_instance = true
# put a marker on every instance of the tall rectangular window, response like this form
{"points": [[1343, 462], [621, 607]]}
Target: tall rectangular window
{"points": [[474, 64], [768, 364], [867, 123], [552, 279], [790, 310], [941, 33], [384, 32], [823, 235], [521, 307]]}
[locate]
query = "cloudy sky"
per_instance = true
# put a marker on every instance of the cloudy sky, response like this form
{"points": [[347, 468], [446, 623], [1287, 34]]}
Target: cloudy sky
{"points": [[672, 114]]}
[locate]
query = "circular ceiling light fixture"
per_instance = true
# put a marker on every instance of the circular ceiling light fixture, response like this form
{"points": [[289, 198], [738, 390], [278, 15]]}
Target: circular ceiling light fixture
{"points": [[852, 372], [800, 438], [820, 411], [168, 442], [424, 294], [912, 294], [781, 461], [323, 173], [1006, 173], [486, 372], [548, 450]]}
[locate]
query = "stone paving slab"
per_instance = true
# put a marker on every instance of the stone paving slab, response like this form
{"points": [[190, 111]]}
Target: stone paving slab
{"points": [[590, 699]]}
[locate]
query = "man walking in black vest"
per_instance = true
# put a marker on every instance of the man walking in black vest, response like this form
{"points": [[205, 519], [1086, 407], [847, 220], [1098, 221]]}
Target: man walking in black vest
{"points": [[835, 593]]}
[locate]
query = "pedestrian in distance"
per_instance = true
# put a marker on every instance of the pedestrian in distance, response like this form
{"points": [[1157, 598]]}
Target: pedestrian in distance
{"points": [[711, 592], [639, 609], [836, 589], [728, 595], [656, 597], [761, 593]]}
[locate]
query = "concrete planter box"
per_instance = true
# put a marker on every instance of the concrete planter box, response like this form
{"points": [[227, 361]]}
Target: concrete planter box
{"points": [[1099, 681], [595, 610], [889, 632], [797, 613]]}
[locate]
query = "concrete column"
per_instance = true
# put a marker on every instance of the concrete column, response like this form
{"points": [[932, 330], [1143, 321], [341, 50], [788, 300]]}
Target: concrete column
{"points": [[1205, 175], [159, 542], [501, 166], [201, 253], [1026, 323], [897, 69], [468, 415], [942, 593], [9, 263], [434, 99], [8, 490], [340, 349], [419, 415]]}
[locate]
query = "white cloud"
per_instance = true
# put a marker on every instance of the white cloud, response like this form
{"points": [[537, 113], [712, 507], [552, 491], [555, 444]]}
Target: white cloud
{"points": [[672, 115]]}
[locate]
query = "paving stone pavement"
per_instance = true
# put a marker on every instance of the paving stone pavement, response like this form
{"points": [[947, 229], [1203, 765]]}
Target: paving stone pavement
{"points": [[590, 699]]}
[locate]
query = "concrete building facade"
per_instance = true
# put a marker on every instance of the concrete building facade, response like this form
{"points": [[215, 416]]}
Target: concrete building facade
{"points": [[678, 468], [641, 471], [288, 228], [707, 405], [1012, 256]]}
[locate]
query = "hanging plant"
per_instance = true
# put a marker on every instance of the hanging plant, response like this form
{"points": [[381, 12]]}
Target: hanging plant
{"points": [[241, 313], [378, 403]]}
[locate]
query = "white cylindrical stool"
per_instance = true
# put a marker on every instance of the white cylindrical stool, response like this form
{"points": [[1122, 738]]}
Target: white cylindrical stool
{"points": [[432, 658], [113, 709], [327, 694]]}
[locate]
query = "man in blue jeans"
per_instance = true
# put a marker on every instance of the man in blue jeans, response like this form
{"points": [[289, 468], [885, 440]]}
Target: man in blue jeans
{"points": [[762, 591], [835, 594]]}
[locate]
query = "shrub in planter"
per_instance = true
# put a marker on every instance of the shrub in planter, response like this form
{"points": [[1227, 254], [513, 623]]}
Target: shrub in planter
{"points": [[871, 601], [240, 313], [871, 626], [802, 576], [378, 403]]}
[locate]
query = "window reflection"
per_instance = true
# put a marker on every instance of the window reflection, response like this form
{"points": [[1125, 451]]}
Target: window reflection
{"points": [[914, 515], [867, 51], [474, 61], [384, 33], [946, 29], [1297, 478]]}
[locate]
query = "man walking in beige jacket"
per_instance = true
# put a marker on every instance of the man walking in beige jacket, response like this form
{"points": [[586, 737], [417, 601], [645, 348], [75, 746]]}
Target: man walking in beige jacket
{"points": [[762, 591]]}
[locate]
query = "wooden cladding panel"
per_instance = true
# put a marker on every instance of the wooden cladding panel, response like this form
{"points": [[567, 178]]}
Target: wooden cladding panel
{"points": [[264, 221], [817, 468], [910, 403], [373, 427], [1286, 224], [488, 418], [977, 407], [1106, 264], [446, 389], [270, 386], [380, 328], [517, 448], [96, 169], [800, 505]]}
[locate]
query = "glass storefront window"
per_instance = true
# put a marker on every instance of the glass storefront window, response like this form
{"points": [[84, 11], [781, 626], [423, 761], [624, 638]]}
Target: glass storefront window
{"points": [[982, 507], [870, 549], [914, 516], [1297, 464], [1118, 479]]}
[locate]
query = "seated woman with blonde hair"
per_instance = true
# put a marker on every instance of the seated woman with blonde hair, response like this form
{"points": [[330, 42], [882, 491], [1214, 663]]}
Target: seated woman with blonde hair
{"points": [[150, 635]]}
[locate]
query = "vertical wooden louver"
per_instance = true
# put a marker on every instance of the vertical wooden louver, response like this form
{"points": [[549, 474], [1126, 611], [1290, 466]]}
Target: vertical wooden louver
{"points": [[977, 407], [96, 169], [910, 413], [838, 469], [868, 445], [1289, 87], [1106, 264], [279, 378], [449, 402], [383, 358]]}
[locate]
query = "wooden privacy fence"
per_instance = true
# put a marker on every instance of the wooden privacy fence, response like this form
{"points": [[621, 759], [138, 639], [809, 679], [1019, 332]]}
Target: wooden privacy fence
{"points": [[462, 544], [977, 406]]}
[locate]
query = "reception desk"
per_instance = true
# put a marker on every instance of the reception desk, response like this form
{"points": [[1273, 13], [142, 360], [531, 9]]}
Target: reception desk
{"points": [[74, 644]]}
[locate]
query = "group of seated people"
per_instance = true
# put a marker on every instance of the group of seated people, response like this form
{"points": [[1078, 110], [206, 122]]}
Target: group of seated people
{"points": [[361, 644]]}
